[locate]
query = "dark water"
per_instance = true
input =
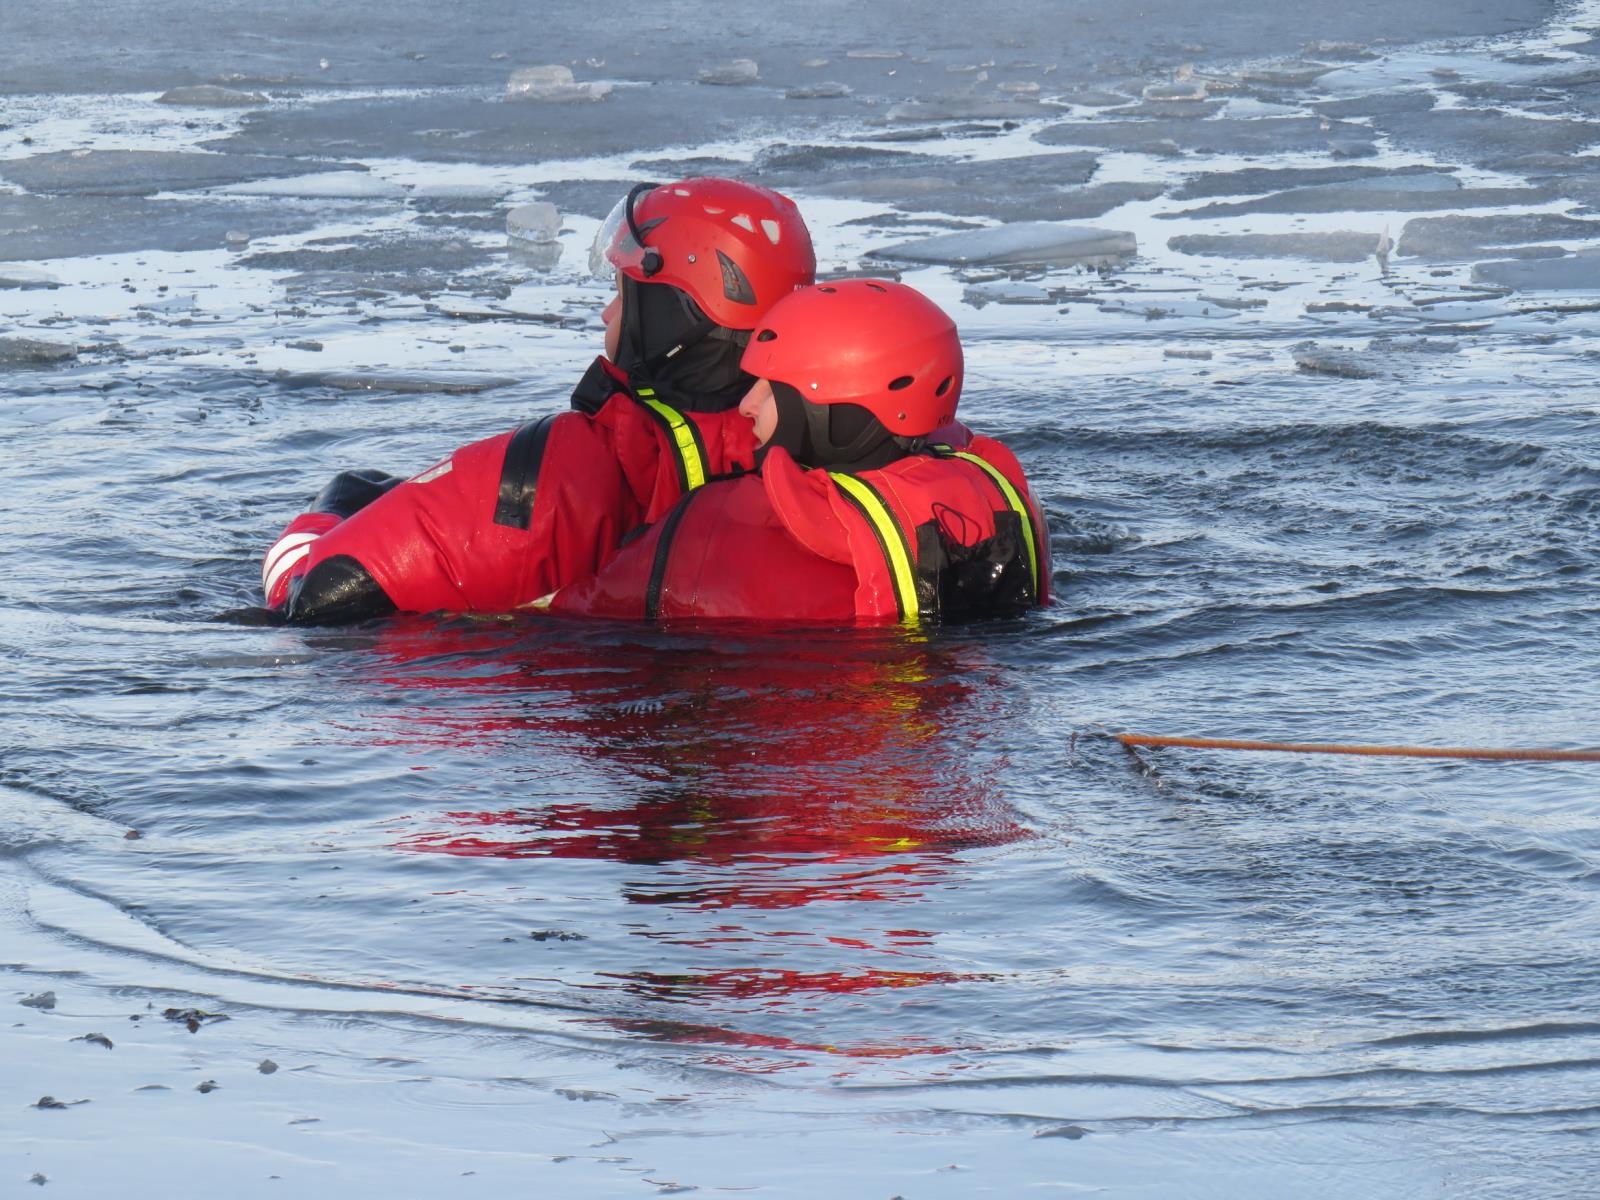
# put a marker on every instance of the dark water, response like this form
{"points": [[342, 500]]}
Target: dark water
{"points": [[600, 909]]}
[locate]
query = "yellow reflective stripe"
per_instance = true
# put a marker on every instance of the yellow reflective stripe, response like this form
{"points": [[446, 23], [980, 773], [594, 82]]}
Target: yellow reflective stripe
{"points": [[1019, 506], [683, 438], [890, 536]]}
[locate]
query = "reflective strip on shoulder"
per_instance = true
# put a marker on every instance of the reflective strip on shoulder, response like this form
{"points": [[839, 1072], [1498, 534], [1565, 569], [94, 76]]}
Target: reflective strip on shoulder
{"points": [[891, 539], [1018, 506], [684, 438]]}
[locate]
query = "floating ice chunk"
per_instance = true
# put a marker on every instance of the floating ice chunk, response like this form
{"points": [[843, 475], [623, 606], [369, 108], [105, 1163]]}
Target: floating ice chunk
{"points": [[31, 352], [1484, 135], [1285, 74], [331, 185], [1338, 246], [1335, 360], [1188, 89], [1152, 309], [979, 294], [1267, 135], [1459, 236], [457, 189], [1384, 357], [731, 74], [209, 95], [1580, 272], [964, 108], [27, 278], [553, 84], [1341, 51], [450, 382], [819, 91], [1043, 243], [536, 223], [145, 172], [885, 55], [1395, 193], [1172, 352]]}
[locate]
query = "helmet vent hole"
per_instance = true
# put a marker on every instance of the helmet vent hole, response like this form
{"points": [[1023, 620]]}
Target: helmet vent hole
{"points": [[904, 381], [735, 285], [829, 290], [744, 222], [766, 335], [712, 210], [878, 287], [679, 192], [944, 385], [770, 228]]}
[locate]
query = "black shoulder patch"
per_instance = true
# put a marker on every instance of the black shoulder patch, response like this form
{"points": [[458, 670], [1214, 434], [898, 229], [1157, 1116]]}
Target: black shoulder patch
{"points": [[519, 474]]}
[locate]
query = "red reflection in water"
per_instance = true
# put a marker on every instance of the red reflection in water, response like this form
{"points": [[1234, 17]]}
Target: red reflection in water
{"points": [[759, 772]]}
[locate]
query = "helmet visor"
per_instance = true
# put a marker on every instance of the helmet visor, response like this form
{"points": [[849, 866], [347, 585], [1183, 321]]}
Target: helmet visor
{"points": [[615, 247]]}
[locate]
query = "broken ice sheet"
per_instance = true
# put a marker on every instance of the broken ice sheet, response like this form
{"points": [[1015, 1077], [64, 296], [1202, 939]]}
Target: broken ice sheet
{"points": [[1580, 272], [1459, 236], [1025, 243], [1333, 246], [146, 172]]}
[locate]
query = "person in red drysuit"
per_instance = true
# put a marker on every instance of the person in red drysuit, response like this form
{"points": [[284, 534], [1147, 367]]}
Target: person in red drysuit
{"points": [[507, 520], [855, 514]]}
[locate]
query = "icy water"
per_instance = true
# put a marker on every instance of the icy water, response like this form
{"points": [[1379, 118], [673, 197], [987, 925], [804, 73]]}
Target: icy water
{"points": [[485, 907]]}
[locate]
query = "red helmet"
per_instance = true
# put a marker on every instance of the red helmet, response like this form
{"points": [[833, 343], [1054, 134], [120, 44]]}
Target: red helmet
{"points": [[881, 345], [736, 248]]}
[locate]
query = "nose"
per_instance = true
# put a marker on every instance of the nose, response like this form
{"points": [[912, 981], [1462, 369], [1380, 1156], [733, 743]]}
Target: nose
{"points": [[608, 314]]}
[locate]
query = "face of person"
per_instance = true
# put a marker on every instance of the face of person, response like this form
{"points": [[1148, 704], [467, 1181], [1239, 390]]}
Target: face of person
{"points": [[761, 407]]}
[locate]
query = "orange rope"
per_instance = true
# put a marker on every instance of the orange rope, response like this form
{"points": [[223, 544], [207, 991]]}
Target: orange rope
{"points": [[1198, 743]]}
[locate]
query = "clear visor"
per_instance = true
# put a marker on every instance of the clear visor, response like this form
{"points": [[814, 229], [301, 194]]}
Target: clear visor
{"points": [[613, 246]]}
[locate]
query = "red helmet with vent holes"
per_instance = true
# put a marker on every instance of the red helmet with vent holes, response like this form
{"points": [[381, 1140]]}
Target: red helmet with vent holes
{"points": [[881, 345], [735, 248]]}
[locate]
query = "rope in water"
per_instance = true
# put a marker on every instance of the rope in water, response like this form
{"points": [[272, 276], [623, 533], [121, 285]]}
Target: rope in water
{"points": [[1201, 743]]}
